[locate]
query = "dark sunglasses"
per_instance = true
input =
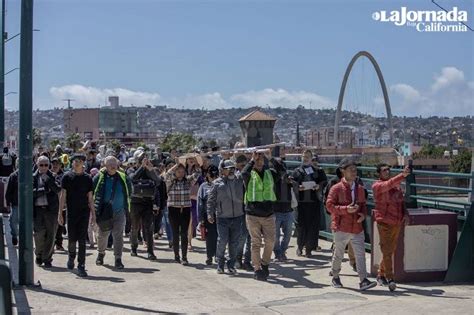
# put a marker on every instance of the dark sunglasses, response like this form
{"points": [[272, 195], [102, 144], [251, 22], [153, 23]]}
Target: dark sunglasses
{"points": [[43, 165]]}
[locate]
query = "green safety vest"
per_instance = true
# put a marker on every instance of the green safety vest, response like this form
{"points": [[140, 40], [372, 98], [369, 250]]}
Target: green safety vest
{"points": [[258, 190], [123, 177]]}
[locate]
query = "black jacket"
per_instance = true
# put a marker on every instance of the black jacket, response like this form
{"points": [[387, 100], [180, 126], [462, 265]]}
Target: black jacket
{"points": [[11, 195], [140, 174], [266, 208], [51, 189], [283, 187], [161, 195]]}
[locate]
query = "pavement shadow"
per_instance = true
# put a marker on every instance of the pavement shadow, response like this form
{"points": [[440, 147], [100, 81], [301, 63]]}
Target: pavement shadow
{"points": [[101, 302], [132, 270], [103, 278], [278, 274], [404, 292]]}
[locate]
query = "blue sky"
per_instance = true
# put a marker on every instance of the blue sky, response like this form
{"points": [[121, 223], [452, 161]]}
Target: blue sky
{"points": [[237, 53]]}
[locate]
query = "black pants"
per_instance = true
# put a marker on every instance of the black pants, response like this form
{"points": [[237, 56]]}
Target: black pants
{"points": [[61, 230], [179, 220], [141, 215], [45, 223], [77, 234], [307, 226], [211, 239]]}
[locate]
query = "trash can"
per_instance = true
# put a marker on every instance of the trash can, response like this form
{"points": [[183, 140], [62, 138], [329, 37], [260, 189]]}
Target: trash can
{"points": [[425, 246]]}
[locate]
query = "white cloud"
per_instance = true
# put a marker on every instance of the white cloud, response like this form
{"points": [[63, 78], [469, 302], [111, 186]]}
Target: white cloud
{"points": [[449, 95], [208, 101], [280, 97], [92, 96], [449, 76]]}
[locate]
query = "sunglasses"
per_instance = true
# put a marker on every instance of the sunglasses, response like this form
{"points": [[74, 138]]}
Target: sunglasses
{"points": [[43, 165]]}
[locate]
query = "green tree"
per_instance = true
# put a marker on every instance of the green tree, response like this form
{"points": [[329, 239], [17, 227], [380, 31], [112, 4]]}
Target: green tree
{"points": [[180, 141], [461, 163], [430, 151], [53, 143], [73, 141], [37, 139]]}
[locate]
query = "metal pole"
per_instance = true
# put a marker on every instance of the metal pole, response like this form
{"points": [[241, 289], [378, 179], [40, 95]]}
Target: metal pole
{"points": [[25, 200], [2, 77]]}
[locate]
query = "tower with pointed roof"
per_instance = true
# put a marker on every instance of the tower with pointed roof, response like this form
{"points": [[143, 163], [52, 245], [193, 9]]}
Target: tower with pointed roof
{"points": [[257, 128]]}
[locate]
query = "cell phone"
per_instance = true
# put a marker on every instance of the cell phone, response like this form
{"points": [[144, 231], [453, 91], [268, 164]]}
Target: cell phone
{"points": [[410, 166]]}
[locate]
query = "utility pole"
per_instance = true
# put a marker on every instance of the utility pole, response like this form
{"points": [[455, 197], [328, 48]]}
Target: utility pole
{"points": [[69, 114], [2, 76], [25, 195]]}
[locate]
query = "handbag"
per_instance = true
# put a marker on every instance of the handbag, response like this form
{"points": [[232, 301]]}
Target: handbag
{"points": [[105, 215]]}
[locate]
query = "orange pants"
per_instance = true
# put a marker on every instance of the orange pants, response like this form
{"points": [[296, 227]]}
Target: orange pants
{"points": [[388, 244]]}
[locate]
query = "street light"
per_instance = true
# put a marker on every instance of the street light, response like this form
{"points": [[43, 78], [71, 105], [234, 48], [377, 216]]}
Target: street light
{"points": [[9, 39]]}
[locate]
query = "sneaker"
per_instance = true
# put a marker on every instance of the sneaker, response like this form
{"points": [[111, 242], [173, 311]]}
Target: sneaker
{"points": [[151, 257], [330, 273], [382, 281], [81, 271], [100, 259], [47, 264], [283, 257], [336, 282], [170, 245], [14, 240], [318, 249], [299, 252], [209, 261], [156, 236], [366, 284], [392, 286], [133, 253], [185, 261], [247, 266], [308, 254], [70, 264], [118, 264], [59, 247], [259, 275], [220, 270], [177, 259], [38, 261], [91, 246], [232, 270], [265, 270]]}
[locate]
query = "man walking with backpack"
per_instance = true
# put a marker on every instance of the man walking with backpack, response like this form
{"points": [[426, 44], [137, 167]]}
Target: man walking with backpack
{"points": [[112, 191]]}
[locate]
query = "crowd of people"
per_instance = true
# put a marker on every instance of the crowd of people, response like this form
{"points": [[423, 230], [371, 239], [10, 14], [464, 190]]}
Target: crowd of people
{"points": [[244, 204]]}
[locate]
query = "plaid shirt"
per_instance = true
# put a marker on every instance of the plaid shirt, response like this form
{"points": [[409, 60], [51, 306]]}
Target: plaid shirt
{"points": [[178, 192]]}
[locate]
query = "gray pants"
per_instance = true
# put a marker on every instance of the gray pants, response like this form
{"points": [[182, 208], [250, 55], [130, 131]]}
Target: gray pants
{"points": [[340, 242], [45, 224], [118, 228]]}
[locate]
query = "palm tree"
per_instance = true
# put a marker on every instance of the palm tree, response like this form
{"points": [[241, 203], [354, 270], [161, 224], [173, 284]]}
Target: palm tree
{"points": [[73, 141]]}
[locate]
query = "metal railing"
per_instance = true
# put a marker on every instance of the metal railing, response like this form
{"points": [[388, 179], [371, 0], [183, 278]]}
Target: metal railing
{"points": [[5, 277], [412, 199]]}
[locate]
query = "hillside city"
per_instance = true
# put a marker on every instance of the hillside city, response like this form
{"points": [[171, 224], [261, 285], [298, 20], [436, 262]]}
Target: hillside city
{"points": [[222, 125]]}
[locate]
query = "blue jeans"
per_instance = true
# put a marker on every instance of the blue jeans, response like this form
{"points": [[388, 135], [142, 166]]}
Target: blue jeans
{"points": [[284, 222], [14, 219], [166, 222], [244, 242], [229, 231]]}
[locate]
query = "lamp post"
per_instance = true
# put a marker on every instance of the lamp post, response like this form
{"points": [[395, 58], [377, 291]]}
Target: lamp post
{"points": [[25, 204]]}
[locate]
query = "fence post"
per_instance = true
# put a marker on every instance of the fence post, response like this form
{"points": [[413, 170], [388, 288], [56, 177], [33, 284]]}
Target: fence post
{"points": [[410, 191]]}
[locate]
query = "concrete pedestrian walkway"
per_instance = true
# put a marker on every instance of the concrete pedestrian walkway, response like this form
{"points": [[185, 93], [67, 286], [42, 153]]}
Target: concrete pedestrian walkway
{"points": [[299, 286]]}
